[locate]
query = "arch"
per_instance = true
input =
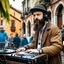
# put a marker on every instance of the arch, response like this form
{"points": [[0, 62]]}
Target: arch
{"points": [[50, 12], [58, 14], [58, 5], [29, 26], [28, 21]]}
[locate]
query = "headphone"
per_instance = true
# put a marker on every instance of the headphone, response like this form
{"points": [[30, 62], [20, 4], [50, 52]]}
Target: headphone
{"points": [[47, 16]]}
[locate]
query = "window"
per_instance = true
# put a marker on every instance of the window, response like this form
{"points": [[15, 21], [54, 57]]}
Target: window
{"points": [[13, 28], [12, 23]]}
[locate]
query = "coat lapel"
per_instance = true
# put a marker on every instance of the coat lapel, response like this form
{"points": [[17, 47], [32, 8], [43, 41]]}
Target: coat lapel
{"points": [[44, 37], [36, 39], [45, 33]]}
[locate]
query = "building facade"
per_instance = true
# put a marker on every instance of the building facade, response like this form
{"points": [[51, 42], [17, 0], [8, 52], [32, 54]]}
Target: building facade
{"points": [[56, 7], [14, 25]]}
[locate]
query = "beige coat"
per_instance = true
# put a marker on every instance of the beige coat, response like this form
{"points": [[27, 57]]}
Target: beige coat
{"points": [[51, 43]]}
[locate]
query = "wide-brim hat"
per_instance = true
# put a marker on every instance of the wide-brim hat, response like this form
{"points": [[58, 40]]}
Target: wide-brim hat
{"points": [[39, 7]]}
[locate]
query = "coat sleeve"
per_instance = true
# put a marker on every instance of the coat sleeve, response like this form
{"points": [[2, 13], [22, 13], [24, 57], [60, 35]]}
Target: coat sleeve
{"points": [[56, 42]]}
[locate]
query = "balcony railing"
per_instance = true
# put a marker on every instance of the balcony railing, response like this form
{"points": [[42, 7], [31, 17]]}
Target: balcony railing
{"points": [[13, 29]]}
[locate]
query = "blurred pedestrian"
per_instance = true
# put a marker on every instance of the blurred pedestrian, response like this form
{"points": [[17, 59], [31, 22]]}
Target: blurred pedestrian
{"points": [[10, 40], [29, 38], [24, 40], [3, 37], [16, 41]]}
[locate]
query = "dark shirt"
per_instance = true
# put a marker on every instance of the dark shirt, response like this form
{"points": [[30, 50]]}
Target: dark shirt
{"points": [[16, 41]]}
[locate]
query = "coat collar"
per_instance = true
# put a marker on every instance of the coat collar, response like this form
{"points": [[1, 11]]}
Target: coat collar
{"points": [[48, 26], [46, 31]]}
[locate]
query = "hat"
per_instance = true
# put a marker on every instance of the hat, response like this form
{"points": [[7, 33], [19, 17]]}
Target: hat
{"points": [[39, 7]]}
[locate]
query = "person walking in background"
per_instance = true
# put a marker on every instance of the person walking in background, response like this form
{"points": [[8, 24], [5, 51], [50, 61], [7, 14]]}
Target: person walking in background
{"points": [[47, 38], [16, 41], [10, 40], [3, 36], [29, 38], [24, 40]]}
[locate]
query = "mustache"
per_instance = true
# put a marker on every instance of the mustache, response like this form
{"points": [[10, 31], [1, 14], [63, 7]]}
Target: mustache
{"points": [[36, 20]]}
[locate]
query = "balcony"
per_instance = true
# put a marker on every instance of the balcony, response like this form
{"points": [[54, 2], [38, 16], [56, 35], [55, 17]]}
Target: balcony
{"points": [[13, 29]]}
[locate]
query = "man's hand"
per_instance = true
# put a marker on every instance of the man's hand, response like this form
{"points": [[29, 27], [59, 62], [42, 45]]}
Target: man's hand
{"points": [[20, 49], [32, 51]]}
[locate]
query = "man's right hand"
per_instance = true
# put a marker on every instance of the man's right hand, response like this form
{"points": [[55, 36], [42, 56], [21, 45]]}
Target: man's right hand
{"points": [[20, 49]]}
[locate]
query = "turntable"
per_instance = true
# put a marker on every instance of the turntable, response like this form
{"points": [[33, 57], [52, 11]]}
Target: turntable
{"points": [[27, 58], [7, 51]]}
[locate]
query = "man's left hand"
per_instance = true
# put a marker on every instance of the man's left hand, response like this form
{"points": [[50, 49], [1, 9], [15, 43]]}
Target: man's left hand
{"points": [[32, 51]]}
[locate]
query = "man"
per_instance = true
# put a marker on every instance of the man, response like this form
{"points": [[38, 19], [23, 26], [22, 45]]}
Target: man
{"points": [[47, 38], [3, 37], [16, 41]]}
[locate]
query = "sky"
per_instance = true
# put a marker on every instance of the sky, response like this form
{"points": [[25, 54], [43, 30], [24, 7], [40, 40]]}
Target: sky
{"points": [[16, 4]]}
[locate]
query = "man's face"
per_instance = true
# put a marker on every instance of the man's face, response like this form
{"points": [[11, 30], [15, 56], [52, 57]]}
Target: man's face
{"points": [[38, 20]]}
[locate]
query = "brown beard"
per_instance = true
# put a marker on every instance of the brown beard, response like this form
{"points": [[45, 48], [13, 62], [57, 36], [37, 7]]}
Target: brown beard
{"points": [[38, 24]]}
